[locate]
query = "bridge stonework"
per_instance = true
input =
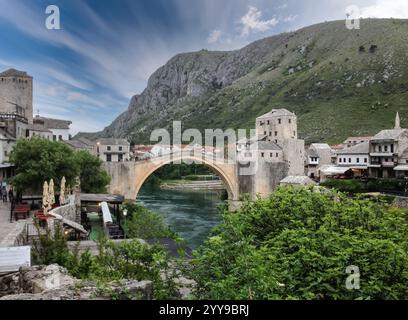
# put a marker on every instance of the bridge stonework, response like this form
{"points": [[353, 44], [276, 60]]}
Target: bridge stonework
{"points": [[128, 177]]}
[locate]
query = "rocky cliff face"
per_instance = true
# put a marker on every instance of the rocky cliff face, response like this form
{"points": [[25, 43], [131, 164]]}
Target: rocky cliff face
{"points": [[340, 82]]}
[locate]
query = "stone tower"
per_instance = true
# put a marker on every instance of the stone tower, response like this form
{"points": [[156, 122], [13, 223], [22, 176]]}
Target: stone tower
{"points": [[16, 93], [280, 127]]}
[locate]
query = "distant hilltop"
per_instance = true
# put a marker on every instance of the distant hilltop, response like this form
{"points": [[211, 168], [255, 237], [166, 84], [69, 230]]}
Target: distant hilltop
{"points": [[339, 82]]}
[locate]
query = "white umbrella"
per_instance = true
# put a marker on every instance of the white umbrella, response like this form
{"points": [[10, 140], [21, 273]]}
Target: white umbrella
{"points": [[62, 192], [45, 197], [51, 193]]}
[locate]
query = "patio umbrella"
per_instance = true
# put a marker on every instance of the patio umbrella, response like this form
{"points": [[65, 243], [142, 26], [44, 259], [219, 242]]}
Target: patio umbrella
{"points": [[62, 192], [45, 197], [51, 194]]}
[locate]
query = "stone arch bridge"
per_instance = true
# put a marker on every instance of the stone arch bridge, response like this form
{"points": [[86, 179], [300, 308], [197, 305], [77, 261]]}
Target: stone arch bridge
{"points": [[128, 177]]}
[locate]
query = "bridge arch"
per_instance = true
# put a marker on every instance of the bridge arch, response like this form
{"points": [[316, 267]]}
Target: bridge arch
{"points": [[127, 178]]}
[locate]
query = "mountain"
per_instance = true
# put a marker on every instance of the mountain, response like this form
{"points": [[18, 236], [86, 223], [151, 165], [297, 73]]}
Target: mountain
{"points": [[339, 82]]}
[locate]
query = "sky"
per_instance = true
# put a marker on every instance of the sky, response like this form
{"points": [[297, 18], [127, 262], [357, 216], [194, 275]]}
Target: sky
{"points": [[105, 50]]}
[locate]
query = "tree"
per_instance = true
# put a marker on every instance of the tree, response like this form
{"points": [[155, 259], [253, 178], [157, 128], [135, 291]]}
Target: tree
{"points": [[37, 160], [298, 244], [93, 178]]}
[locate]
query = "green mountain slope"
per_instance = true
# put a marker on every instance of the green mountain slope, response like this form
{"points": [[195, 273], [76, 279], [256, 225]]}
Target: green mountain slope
{"points": [[339, 82]]}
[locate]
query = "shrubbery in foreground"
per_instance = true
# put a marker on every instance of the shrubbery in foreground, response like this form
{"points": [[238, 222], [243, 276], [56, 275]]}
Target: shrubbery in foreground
{"points": [[298, 243]]}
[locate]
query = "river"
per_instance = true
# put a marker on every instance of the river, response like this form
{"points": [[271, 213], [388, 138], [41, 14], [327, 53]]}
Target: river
{"points": [[191, 214]]}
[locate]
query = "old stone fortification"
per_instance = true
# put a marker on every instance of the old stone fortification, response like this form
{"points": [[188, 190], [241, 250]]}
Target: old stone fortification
{"points": [[16, 90], [54, 283]]}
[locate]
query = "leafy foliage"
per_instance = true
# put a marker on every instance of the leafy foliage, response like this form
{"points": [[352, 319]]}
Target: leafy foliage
{"points": [[145, 224], [38, 160], [372, 185], [129, 260], [93, 178], [297, 244]]}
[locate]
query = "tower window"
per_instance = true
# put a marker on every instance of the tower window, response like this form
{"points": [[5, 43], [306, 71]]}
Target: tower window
{"points": [[279, 121], [290, 120], [276, 133]]}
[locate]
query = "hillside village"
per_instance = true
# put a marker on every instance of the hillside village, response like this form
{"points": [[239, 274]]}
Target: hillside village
{"points": [[384, 155]]}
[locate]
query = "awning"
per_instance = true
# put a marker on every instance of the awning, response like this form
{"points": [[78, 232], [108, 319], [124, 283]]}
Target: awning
{"points": [[401, 168], [69, 223], [359, 168], [106, 215], [329, 171]]}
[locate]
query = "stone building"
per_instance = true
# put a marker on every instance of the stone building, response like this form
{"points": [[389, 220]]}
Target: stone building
{"points": [[60, 129], [16, 116], [355, 158], [273, 154], [16, 94], [113, 150], [82, 144], [386, 148], [317, 155]]}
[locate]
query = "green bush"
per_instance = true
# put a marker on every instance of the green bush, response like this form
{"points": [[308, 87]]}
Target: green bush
{"points": [[297, 244], [145, 224], [360, 186], [129, 260]]}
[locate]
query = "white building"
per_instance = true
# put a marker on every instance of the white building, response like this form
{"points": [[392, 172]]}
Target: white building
{"points": [[60, 129]]}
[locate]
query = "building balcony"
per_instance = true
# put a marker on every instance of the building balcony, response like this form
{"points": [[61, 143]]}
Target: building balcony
{"points": [[388, 164], [381, 154]]}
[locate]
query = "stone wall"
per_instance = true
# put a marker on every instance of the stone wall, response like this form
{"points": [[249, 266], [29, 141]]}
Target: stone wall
{"points": [[400, 202], [54, 283], [16, 237]]}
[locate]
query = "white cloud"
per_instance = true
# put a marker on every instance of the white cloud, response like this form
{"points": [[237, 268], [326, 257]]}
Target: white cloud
{"points": [[290, 18], [214, 36], [386, 9], [252, 22]]}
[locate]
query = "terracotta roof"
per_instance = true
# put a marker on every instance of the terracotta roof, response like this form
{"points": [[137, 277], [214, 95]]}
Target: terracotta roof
{"points": [[38, 127], [14, 73]]}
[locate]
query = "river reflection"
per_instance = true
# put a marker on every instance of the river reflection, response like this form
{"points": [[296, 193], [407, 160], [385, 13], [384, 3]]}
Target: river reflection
{"points": [[191, 214]]}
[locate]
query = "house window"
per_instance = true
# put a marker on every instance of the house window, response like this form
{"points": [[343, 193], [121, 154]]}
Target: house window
{"points": [[262, 155], [264, 133], [109, 148], [379, 149], [349, 160], [365, 160], [108, 158], [358, 160], [120, 148], [268, 122], [392, 148], [60, 137], [279, 121], [270, 134], [54, 137], [386, 148], [120, 157], [290, 120], [276, 133], [277, 155], [344, 159], [271, 155], [340, 160]]}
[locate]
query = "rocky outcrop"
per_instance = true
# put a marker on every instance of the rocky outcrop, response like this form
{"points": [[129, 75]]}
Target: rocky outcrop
{"points": [[54, 283], [320, 72]]}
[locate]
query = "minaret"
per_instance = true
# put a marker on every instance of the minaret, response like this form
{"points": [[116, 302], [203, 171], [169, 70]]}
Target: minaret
{"points": [[397, 121]]}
